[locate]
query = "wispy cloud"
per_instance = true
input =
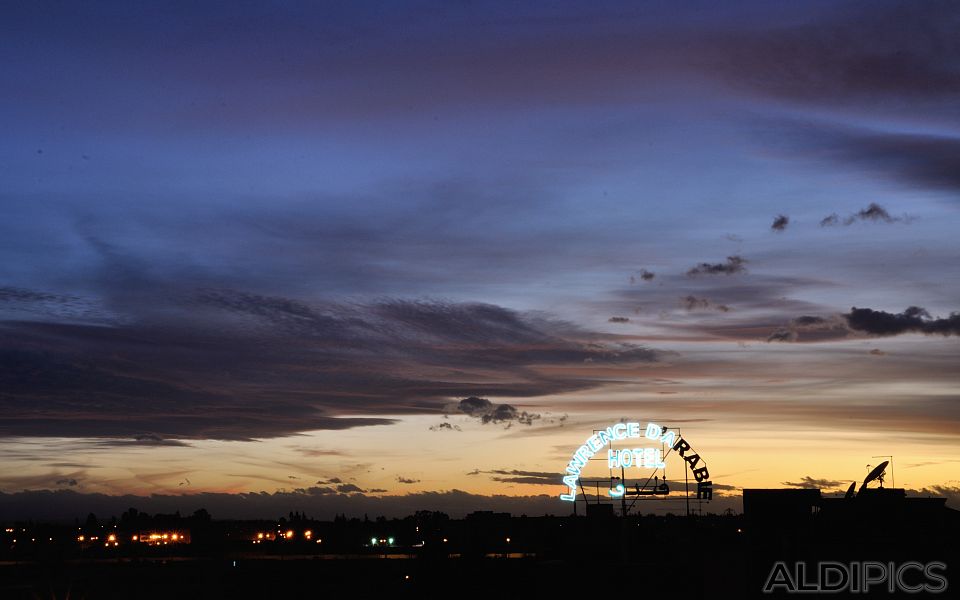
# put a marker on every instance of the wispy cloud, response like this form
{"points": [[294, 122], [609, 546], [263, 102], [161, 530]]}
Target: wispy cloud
{"points": [[813, 482], [520, 476], [293, 367]]}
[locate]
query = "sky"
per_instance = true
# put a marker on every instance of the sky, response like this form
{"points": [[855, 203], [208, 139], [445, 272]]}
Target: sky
{"points": [[383, 256]]}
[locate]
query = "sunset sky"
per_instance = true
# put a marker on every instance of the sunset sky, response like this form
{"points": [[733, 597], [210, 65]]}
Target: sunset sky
{"points": [[252, 247]]}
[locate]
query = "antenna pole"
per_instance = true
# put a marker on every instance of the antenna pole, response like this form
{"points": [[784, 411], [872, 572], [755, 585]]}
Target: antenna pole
{"points": [[893, 480]]}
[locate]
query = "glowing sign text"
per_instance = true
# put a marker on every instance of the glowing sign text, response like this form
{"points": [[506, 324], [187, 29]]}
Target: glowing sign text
{"points": [[644, 458], [641, 458], [593, 444]]}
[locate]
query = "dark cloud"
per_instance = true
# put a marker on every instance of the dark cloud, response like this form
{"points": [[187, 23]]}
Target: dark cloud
{"points": [[521, 477], [401, 479], [68, 482], [619, 319], [489, 412], [885, 56], [235, 365], [475, 406], [913, 320], [878, 54], [782, 335], [811, 482], [807, 321], [927, 161], [915, 160], [780, 223], [152, 439], [896, 58], [878, 352], [692, 303], [147, 439], [349, 488], [830, 220], [872, 213], [445, 426], [734, 264], [647, 275], [331, 481]]}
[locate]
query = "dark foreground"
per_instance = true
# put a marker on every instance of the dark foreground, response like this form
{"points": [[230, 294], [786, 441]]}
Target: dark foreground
{"points": [[363, 578], [877, 545]]}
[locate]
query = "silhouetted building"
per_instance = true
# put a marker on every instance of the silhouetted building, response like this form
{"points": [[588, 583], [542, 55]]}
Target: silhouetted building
{"points": [[781, 506]]}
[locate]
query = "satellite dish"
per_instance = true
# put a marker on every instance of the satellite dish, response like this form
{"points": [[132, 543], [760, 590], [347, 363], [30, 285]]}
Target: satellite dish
{"points": [[874, 474], [850, 489]]}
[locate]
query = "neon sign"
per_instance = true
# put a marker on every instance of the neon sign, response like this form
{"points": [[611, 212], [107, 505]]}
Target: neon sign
{"points": [[638, 457]]}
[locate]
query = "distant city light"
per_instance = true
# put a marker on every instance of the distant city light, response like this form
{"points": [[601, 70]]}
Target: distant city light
{"points": [[160, 538]]}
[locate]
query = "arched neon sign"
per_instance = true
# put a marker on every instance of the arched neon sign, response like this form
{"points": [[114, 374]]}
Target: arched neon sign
{"points": [[638, 457]]}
